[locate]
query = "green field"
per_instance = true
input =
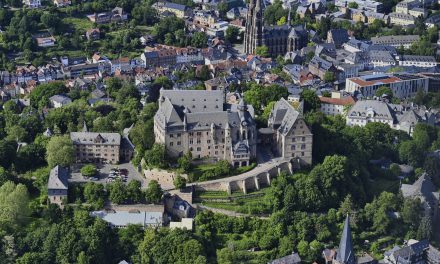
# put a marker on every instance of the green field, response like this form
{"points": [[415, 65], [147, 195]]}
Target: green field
{"points": [[78, 23]]}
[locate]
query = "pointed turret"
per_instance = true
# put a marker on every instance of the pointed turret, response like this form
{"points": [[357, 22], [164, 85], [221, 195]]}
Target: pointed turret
{"points": [[85, 129], [345, 254]]}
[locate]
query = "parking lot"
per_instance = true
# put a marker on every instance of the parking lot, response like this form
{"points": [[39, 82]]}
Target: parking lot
{"points": [[106, 172]]}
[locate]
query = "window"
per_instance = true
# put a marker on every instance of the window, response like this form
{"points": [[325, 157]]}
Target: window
{"points": [[302, 154], [178, 143], [191, 141], [199, 133], [199, 149], [171, 143], [171, 135], [293, 139], [199, 141], [303, 146], [208, 141], [303, 138], [292, 147]]}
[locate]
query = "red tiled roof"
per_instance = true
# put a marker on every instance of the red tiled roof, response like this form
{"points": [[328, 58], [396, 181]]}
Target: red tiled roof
{"points": [[348, 100], [361, 82]]}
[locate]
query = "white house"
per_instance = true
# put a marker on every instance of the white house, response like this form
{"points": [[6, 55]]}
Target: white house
{"points": [[336, 104], [57, 101]]}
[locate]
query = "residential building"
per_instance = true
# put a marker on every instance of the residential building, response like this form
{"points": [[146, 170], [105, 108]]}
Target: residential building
{"points": [[413, 253], [185, 223], [320, 67], [218, 83], [418, 12], [337, 36], [404, 6], [201, 123], [402, 85], [58, 185], [397, 117], [289, 134], [278, 39], [289, 259], [122, 64], [366, 5], [32, 3], [154, 57], [121, 219], [401, 19], [117, 15], [417, 61], [96, 147], [424, 190], [396, 41], [378, 58], [58, 100], [178, 10], [372, 16], [337, 104], [93, 34], [432, 21], [62, 3], [44, 40]]}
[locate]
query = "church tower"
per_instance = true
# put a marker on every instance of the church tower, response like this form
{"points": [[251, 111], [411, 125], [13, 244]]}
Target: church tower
{"points": [[253, 36], [345, 253]]}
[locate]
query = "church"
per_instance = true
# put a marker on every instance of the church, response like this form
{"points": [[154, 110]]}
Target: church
{"points": [[278, 39]]}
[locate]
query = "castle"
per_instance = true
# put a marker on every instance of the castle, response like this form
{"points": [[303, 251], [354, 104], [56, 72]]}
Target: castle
{"points": [[278, 39]]}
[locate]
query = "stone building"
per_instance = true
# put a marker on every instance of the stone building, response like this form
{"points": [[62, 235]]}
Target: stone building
{"points": [[57, 185], [202, 123], [278, 39], [291, 136], [96, 147], [426, 191]]}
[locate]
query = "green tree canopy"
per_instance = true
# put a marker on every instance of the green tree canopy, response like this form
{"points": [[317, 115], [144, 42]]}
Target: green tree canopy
{"points": [[60, 151]]}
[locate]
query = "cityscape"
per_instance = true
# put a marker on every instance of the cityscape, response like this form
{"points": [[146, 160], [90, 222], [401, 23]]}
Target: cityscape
{"points": [[220, 131]]}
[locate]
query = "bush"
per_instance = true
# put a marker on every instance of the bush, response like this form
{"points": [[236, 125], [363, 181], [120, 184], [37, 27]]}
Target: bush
{"points": [[89, 170]]}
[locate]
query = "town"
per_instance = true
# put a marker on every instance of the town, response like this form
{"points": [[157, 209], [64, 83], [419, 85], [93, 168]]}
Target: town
{"points": [[229, 131]]}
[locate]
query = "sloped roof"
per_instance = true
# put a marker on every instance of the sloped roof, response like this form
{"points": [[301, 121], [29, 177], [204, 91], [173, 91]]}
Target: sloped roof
{"points": [[345, 254], [58, 178]]}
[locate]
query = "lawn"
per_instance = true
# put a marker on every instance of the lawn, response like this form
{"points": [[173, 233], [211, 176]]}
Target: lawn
{"points": [[82, 24]]}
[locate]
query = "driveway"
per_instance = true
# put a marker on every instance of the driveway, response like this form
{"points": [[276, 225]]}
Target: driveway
{"points": [[104, 170]]}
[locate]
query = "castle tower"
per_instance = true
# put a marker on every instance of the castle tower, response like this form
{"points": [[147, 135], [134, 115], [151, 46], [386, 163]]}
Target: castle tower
{"points": [[345, 253], [253, 36]]}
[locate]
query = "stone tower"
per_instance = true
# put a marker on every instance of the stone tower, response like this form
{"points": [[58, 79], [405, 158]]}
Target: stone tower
{"points": [[254, 27]]}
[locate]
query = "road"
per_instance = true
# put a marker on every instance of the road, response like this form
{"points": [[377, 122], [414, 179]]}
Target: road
{"points": [[261, 168]]}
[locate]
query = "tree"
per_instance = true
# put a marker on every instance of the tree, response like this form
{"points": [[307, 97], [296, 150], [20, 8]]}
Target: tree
{"points": [[329, 77], [262, 51], [60, 151], [411, 211], [94, 194], [383, 90], [199, 40], [117, 192], [14, 205], [156, 156], [89, 170], [223, 8], [179, 182], [134, 191], [7, 153], [281, 21], [232, 34], [274, 13], [353, 5], [311, 100], [154, 192], [185, 162], [164, 82]]}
